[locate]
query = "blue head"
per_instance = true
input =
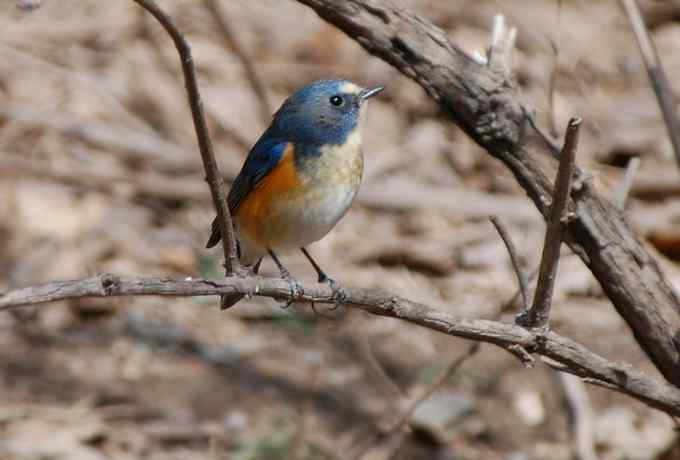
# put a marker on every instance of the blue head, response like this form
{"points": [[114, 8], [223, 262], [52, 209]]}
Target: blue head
{"points": [[323, 112]]}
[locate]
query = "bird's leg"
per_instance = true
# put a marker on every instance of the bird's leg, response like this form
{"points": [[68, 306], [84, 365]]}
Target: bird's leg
{"points": [[285, 274], [338, 293]]}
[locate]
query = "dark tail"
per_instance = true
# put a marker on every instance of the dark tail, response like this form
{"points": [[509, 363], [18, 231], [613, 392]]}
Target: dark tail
{"points": [[229, 300], [215, 234]]}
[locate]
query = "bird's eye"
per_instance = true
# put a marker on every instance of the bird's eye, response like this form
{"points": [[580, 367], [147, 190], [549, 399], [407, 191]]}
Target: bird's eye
{"points": [[337, 100]]}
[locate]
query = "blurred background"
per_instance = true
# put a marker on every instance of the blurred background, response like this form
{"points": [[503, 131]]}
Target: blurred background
{"points": [[99, 172]]}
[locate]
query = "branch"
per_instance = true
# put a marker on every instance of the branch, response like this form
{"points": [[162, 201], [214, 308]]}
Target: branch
{"points": [[539, 314], [624, 188], [657, 76], [573, 357], [406, 416], [212, 174], [581, 415], [522, 280], [486, 105], [232, 43]]}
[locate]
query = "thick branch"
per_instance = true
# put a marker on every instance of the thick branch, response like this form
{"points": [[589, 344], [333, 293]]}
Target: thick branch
{"points": [[485, 104], [573, 357], [212, 174]]}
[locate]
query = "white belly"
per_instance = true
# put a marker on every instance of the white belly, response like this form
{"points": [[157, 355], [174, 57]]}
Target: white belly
{"points": [[317, 216]]}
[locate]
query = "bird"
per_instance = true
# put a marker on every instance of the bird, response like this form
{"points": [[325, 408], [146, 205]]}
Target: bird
{"points": [[300, 177]]}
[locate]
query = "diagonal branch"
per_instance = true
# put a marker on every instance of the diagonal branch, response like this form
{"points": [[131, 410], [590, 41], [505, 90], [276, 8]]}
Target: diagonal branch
{"points": [[539, 313], [212, 174], [570, 356], [230, 39], [521, 275], [400, 424], [485, 103], [657, 75]]}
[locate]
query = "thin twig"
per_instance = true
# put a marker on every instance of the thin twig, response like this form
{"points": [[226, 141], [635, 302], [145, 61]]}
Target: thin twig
{"points": [[627, 183], [552, 83], [230, 39], [539, 314], [581, 414], [406, 416], [657, 75], [213, 176], [514, 258]]}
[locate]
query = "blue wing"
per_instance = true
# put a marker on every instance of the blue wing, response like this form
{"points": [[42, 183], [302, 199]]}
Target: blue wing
{"points": [[263, 157]]}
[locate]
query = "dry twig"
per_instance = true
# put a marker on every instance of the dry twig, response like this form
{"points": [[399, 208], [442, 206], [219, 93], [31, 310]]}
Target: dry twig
{"points": [[539, 314], [581, 415], [406, 416], [627, 184], [230, 39], [514, 258], [657, 75], [213, 177]]}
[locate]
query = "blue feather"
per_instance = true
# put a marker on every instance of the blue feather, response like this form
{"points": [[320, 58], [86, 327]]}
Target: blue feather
{"points": [[263, 157]]}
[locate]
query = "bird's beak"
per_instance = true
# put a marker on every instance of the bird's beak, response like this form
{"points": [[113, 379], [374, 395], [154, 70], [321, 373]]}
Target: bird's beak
{"points": [[370, 92]]}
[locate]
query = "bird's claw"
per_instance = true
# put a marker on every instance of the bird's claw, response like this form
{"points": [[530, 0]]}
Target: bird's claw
{"points": [[339, 294], [295, 291]]}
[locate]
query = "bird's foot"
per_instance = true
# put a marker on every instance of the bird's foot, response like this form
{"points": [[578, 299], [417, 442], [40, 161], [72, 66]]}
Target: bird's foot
{"points": [[339, 294], [295, 289]]}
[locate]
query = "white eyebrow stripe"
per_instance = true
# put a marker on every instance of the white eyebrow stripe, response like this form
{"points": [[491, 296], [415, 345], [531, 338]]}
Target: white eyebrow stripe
{"points": [[350, 88]]}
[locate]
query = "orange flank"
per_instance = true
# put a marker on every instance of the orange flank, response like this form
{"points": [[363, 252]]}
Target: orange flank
{"points": [[254, 215]]}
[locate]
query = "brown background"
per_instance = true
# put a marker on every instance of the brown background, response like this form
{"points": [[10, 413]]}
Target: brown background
{"points": [[99, 171]]}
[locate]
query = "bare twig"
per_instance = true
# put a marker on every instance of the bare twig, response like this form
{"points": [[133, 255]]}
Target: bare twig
{"points": [[167, 66], [230, 39], [576, 359], [539, 314], [406, 416], [581, 413], [627, 184], [514, 258], [366, 351], [552, 84], [213, 176], [656, 73]]}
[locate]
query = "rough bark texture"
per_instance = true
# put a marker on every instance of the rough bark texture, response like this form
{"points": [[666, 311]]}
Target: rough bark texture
{"points": [[486, 105], [571, 356]]}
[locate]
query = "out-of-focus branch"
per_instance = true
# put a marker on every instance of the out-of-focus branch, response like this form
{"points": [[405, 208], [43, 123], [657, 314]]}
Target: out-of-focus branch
{"points": [[657, 75], [522, 280], [230, 39], [539, 314], [484, 102], [581, 414], [406, 416], [568, 355], [626, 185], [205, 145]]}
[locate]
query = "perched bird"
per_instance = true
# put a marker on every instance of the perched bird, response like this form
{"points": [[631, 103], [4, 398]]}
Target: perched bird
{"points": [[300, 177]]}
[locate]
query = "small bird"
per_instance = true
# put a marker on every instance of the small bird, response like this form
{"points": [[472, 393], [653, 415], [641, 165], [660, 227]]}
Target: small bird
{"points": [[300, 177]]}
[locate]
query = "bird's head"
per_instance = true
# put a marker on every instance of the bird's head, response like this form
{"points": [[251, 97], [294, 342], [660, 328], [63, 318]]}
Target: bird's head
{"points": [[323, 112]]}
